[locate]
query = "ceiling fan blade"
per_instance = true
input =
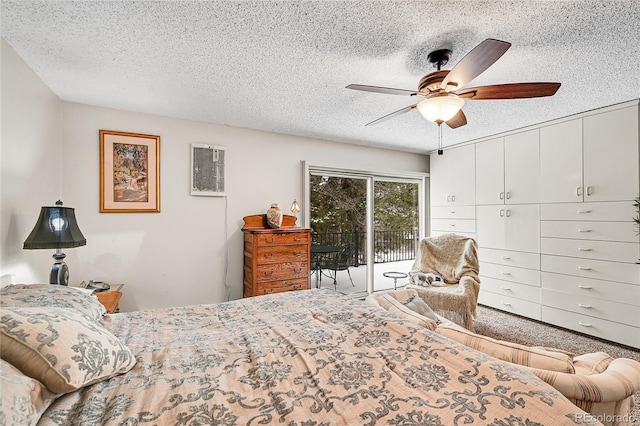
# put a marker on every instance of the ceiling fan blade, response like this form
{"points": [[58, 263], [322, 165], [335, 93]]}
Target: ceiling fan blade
{"points": [[392, 115], [458, 120], [510, 91], [386, 90], [475, 62]]}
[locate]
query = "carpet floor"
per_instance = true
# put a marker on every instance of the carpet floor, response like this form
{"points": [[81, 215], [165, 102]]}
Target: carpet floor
{"points": [[503, 326]]}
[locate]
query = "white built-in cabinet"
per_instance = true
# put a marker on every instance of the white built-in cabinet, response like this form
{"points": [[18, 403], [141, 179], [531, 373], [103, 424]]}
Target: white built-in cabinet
{"points": [[453, 192], [552, 215], [508, 169]]}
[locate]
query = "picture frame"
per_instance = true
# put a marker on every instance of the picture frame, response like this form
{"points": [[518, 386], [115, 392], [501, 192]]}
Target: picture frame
{"points": [[129, 172]]}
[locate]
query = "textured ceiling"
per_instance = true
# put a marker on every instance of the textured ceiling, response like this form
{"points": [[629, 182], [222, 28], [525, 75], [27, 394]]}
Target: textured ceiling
{"points": [[282, 66]]}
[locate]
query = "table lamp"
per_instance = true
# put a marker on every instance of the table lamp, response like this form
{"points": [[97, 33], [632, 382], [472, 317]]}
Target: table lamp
{"points": [[56, 229]]}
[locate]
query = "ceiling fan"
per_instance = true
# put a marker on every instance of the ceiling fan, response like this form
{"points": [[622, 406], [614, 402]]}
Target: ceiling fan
{"points": [[443, 91]]}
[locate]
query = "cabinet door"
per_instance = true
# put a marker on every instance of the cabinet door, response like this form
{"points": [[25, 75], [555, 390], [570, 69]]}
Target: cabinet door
{"points": [[522, 228], [490, 172], [439, 179], [462, 168], [490, 228], [610, 147], [452, 177], [561, 162], [522, 168]]}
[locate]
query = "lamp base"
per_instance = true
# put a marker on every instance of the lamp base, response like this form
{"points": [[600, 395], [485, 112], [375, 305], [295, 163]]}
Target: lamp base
{"points": [[59, 271]]}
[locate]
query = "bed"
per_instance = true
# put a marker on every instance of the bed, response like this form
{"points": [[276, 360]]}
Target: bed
{"points": [[311, 357]]}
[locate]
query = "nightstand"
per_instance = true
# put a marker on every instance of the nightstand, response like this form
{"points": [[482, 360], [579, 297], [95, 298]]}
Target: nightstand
{"points": [[110, 298]]}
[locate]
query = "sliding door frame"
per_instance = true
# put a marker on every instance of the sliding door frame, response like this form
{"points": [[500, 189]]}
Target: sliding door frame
{"points": [[422, 179]]}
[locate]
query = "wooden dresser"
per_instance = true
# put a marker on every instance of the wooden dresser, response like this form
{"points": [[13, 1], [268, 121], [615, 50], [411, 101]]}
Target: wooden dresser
{"points": [[275, 260]]}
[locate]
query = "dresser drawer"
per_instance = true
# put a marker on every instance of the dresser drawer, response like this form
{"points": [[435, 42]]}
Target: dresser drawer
{"points": [[453, 212], [510, 304], [454, 225], [509, 273], [280, 271], [277, 254], [282, 285], [599, 308], [510, 258], [280, 239], [602, 231], [616, 212], [607, 290], [601, 328], [436, 233], [595, 269], [588, 249], [509, 289]]}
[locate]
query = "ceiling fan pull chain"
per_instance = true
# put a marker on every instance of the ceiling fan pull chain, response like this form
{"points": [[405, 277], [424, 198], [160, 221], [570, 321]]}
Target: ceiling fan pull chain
{"points": [[440, 152]]}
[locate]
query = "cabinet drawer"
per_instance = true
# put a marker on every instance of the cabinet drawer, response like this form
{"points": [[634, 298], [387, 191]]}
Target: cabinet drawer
{"points": [[510, 273], [277, 254], [599, 308], [454, 225], [506, 288], [510, 304], [603, 329], [280, 286], [453, 212], [620, 211], [509, 258], [280, 271], [435, 233], [280, 239], [607, 290], [588, 249], [601, 231], [595, 269]]}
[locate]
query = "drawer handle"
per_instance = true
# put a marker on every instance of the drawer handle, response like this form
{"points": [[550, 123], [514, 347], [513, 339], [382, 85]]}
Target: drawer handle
{"points": [[584, 230], [453, 198], [505, 257], [584, 268], [589, 190], [584, 324], [268, 255], [586, 287], [583, 249], [502, 195], [452, 224], [579, 191], [501, 212], [505, 273], [297, 238], [508, 195], [452, 212], [298, 253], [584, 211], [267, 273], [297, 270], [505, 288], [506, 303], [270, 240], [508, 212], [584, 306]]}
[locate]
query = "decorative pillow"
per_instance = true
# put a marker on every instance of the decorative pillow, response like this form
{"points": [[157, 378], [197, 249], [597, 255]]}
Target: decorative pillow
{"points": [[23, 399], [55, 296], [527, 356], [419, 306], [61, 348], [391, 304]]}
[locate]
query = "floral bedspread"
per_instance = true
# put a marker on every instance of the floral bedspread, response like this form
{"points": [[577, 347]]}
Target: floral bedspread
{"points": [[303, 358]]}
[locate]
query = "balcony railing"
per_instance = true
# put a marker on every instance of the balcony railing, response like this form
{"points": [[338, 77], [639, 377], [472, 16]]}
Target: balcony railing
{"points": [[389, 246]]}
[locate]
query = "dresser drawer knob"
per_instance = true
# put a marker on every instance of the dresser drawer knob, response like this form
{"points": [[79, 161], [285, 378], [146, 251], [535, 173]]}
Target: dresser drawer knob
{"points": [[505, 273], [583, 249], [584, 268], [297, 238], [505, 288], [584, 324], [586, 287], [584, 230], [267, 273], [505, 257], [584, 306], [298, 253], [297, 270], [506, 303], [268, 255], [270, 240], [584, 211]]}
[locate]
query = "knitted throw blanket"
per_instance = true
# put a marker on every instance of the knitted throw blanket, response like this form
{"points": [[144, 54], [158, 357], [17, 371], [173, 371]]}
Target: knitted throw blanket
{"points": [[450, 256]]}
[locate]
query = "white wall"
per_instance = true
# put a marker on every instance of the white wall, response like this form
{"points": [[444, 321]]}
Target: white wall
{"points": [[175, 257], [29, 164]]}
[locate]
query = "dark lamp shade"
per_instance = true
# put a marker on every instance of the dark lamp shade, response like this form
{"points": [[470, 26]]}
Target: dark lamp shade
{"points": [[56, 229]]}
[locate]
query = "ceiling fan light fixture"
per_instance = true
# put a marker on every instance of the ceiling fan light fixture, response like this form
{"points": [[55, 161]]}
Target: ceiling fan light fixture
{"points": [[440, 108]]}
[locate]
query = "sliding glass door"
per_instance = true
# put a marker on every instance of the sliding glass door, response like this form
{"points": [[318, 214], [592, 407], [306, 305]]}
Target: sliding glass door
{"points": [[364, 225]]}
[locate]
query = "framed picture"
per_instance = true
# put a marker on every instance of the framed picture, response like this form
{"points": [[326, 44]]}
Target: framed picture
{"points": [[129, 172]]}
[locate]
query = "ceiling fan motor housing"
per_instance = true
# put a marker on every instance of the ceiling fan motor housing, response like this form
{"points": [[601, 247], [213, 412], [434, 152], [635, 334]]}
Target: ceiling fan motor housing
{"points": [[431, 82]]}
